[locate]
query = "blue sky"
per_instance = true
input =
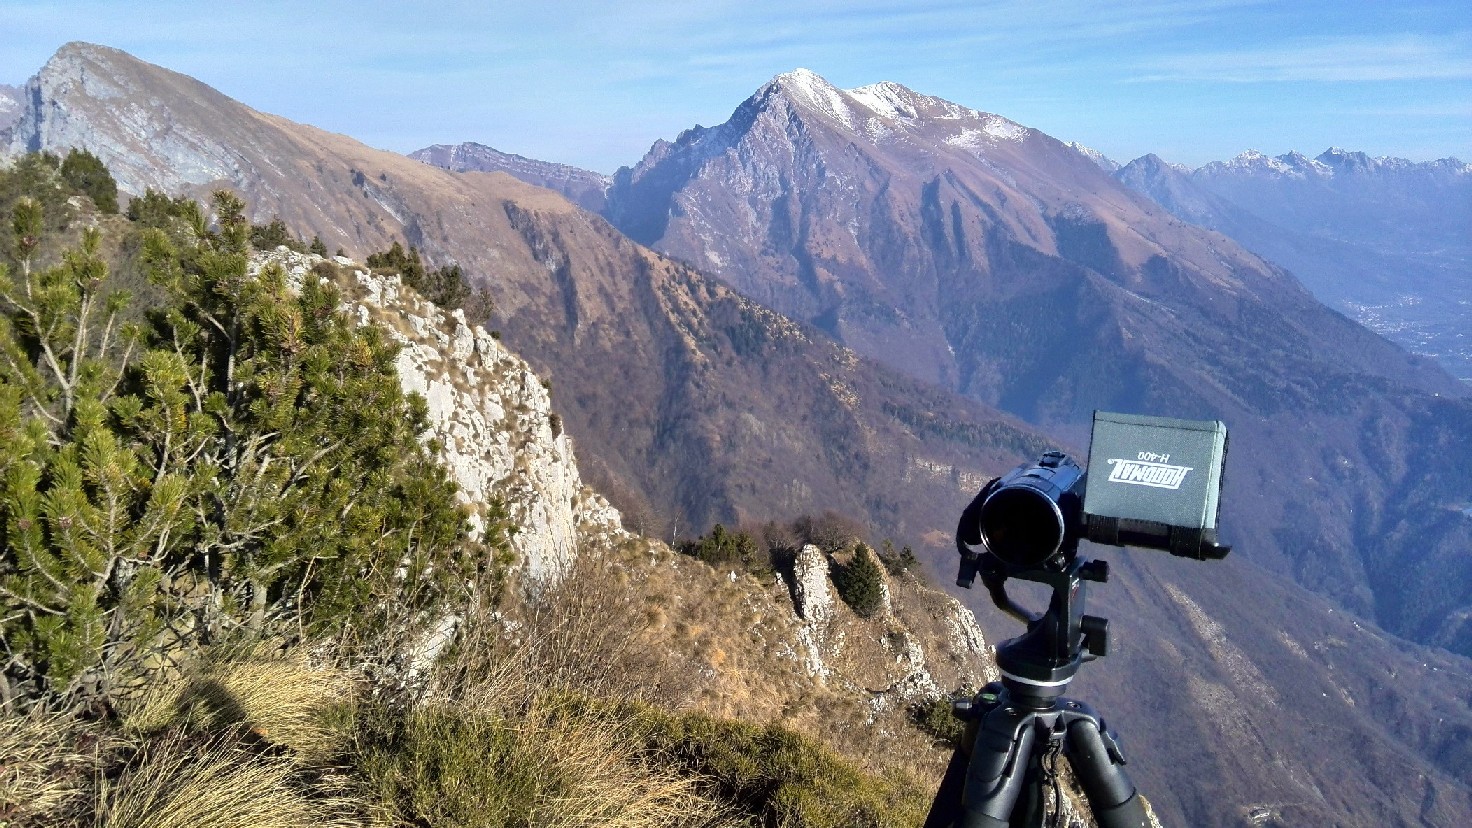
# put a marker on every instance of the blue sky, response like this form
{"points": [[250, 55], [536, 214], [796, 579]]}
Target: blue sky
{"points": [[595, 83]]}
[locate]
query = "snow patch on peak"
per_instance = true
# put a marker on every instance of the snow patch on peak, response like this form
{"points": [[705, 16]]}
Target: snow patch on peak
{"points": [[812, 89], [994, 128], [1004, 130], [1103, 161], [888, 99]]}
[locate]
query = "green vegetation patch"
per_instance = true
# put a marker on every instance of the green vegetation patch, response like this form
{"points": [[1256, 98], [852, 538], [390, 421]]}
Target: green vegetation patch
{"points": [[240, 457], [776, 777]]}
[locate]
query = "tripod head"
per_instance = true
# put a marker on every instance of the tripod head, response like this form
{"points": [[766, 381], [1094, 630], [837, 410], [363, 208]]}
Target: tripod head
{"points": [[1037, 665]]}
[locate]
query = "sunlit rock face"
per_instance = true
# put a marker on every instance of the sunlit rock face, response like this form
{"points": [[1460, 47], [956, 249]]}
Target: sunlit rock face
{"points": [[490, 414]]}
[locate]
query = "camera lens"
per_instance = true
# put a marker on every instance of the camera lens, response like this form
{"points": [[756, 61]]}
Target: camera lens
{"points": [[1022, 526]]}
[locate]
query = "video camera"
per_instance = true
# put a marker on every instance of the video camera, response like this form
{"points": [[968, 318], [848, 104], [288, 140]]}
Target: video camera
{"points": [[1161, 491], [1156, 483]]}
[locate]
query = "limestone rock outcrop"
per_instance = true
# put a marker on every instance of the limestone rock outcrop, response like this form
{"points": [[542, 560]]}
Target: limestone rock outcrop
{"points": [[492, 416], [884, 656]]}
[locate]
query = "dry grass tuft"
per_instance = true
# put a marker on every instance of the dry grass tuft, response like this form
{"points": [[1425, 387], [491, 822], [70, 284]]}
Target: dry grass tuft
{"points": [[47, 763], [278, 699], [544, 760], [587, 634], [184, 782]]}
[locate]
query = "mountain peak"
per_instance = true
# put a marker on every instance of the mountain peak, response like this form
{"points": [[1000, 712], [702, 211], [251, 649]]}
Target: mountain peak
{"points": [[86, 91], [1151, 161], [71, 57], [886, 111], [1103, 161], [813, 92]]}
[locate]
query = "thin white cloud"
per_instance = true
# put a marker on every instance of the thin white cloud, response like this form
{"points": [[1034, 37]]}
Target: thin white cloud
{"points": [[1327, 60]]}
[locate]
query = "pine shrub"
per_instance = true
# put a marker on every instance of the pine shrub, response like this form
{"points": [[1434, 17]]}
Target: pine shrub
{"points": [[85, 173], [242, 457], [860, 582]]}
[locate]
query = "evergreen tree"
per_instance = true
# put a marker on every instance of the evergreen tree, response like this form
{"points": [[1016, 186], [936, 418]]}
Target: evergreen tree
{"points": [[896, 563], [859, 583], [245, 459], [317, 247], [273, 235], [722, 548], [85, 173], [154, 209], [36, 177]]}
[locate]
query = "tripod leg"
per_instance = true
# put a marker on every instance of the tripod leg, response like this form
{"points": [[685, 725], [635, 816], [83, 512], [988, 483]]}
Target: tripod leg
{"points": [[1097, 762], [998, 769], [946, 808]]}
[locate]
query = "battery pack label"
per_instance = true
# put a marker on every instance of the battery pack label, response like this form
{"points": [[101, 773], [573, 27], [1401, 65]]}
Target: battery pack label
{"points": [[1144, 473]]}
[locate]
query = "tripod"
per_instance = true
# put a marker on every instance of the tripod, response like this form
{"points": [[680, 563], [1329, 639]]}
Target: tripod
{"points": [[1016, 728]]}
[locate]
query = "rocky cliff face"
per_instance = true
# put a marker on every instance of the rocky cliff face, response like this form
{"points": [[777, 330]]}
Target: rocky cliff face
{"points": [[180, 147], [492, 416], [11, 106], [893, 664]]}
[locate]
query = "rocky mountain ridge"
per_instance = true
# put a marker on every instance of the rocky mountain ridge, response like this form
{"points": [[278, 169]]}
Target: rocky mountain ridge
{"points": [[795, 653], [492, 417], [1331, 162], [582, 187], [1105, 162]]}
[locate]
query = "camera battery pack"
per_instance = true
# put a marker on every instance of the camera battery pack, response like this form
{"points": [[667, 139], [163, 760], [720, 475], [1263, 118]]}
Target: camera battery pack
{"points": [[1156, 482]]}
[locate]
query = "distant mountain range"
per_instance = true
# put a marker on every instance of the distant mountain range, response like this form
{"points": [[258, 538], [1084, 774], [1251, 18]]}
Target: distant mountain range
{"points": [[969, 264], [581, 187], [1384, 240]]}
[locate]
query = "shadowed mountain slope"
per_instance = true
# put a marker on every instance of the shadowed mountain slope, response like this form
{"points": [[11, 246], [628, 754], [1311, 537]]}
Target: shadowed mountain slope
{"points": [[690, 401]]}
